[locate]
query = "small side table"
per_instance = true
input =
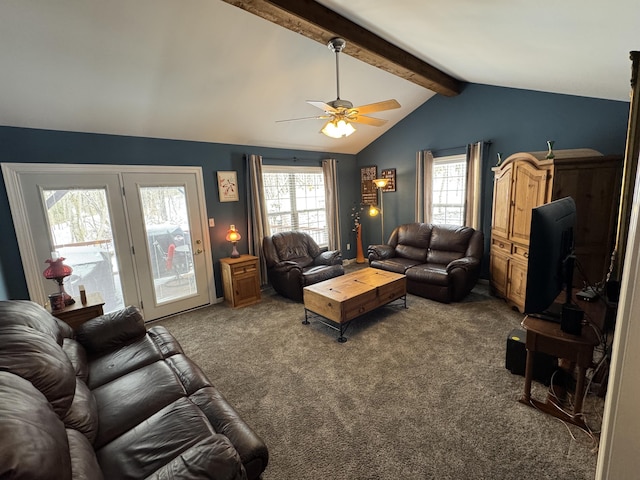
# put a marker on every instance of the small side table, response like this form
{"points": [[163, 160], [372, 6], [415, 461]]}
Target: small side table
{"points": [[76, 314], [547, 337], [240, 280]]}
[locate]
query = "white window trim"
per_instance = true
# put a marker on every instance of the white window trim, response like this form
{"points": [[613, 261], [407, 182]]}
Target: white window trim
{"points": [[447, 160]]}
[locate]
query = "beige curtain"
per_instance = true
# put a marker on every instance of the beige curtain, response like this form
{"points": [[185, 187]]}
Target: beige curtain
{"points": [[258, 222], [424, 174], [330, 173], [474, 183]]}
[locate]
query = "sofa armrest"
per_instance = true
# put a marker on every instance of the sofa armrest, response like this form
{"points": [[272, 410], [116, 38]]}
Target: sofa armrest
{"points": [[466, 263], [380, 252], [329, 257], [285, 267], [111, 330]]}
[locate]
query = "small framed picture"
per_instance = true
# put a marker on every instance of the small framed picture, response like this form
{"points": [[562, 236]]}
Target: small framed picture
{"points": [[389, 173], [228, 186]]}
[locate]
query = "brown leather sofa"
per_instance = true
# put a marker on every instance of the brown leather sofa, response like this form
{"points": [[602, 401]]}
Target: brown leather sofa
{"points": [[294, 261], [112, 401], [441, 262]]}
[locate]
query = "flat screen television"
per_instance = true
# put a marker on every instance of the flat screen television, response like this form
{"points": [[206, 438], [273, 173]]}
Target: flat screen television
{"points": [[551, 258]]}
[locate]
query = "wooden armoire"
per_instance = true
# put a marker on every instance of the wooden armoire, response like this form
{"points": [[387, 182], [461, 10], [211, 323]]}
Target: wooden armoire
{"points": [[527, 180]]}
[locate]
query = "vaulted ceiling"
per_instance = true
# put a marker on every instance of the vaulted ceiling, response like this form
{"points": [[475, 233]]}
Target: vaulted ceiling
{"points": [[206, 70]]}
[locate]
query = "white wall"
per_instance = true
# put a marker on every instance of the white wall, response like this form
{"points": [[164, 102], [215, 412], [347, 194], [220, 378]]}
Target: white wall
{"points": [[619, 455]]}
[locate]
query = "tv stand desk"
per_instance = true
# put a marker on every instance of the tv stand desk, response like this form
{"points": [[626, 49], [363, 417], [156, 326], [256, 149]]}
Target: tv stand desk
{"points": [[547, 337]]}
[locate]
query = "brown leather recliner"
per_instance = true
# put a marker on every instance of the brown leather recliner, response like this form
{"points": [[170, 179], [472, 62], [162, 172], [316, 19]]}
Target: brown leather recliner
{"points": [[111, 401], [294, 261], [441, 262]]}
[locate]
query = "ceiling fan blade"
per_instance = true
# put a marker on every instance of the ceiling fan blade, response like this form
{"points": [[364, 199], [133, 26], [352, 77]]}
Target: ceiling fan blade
{"points": [[317, 117], [376, 122], [377, 107], [322, 106]]}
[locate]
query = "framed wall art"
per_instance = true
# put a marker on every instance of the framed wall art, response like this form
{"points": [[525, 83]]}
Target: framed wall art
{"points": [[368, 192], [228, 186], [389, 173]]}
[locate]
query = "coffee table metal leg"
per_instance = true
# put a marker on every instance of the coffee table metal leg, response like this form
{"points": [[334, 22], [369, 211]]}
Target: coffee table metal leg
{"points": [[306, 319], [342, 338]]}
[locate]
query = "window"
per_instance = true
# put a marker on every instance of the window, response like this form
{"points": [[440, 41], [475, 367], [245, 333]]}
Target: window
{"points": [[449, 190], [295, 199]]}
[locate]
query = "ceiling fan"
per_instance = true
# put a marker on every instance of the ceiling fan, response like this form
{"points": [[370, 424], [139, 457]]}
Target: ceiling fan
{"points": [[340, 114]]}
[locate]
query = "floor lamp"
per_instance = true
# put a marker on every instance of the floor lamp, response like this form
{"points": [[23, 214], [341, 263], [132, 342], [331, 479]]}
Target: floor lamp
{"points": [[380, 183]]}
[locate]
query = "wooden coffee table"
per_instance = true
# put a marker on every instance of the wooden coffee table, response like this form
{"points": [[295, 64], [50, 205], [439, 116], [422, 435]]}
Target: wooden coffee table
{"points": [[341, 299]]}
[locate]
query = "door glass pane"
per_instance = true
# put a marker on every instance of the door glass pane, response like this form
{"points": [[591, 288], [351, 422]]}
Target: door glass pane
{"points": [[166, 223], [80, 227]]}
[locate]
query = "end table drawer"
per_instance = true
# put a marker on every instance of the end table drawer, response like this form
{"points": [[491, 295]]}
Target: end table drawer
{"points": [[240, 269]]}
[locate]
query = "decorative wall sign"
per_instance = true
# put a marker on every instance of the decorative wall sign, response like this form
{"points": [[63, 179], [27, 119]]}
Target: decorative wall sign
{"points": [[389, 173], [228, 186], [368, 191]]}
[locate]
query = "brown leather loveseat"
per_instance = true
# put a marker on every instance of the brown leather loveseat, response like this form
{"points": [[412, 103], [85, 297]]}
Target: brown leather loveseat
{"points": [[112, 401], [294, 260], [441, 262]]}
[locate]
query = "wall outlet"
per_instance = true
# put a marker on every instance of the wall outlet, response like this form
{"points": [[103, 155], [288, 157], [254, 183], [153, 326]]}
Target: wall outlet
{"points": [[348, 246]]}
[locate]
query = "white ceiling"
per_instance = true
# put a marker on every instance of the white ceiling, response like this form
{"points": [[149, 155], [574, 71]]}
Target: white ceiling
{"points": [[207, 71]]}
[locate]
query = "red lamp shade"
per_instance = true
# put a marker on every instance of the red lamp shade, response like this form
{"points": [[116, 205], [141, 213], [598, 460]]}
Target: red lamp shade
{"points": [[58, 271]]}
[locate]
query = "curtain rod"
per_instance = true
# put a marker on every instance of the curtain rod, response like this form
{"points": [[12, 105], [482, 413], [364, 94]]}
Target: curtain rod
{"points": [[295, 159], [486, 142]]}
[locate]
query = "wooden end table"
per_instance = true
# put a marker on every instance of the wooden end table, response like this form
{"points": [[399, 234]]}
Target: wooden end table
{"points": [[78, 313], [547, 337], [240, 280]]}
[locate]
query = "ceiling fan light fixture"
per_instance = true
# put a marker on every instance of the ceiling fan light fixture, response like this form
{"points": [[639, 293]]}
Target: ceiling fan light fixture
{"points": [[338, 129]]}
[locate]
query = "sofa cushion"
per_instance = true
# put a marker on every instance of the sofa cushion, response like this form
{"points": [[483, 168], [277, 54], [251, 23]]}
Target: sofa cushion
{"points": [[34, 442], [83, 414], [37, 357], [448, 243], [113, 364], [412, 253], [293, 247], [158, 440], [214, 457], [32, 315], [414, 235], [394, 264], [84, 464], [130, 399], [78, 357], [429, 273], [111, 330]]}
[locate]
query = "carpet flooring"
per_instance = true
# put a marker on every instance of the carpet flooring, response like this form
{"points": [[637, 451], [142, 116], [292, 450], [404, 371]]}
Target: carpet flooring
{"points": [[416, 393]]}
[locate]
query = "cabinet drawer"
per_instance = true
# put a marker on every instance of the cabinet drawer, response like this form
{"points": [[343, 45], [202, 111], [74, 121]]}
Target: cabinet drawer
{"points": [[521, 252], [242, 268], [501, 244]]}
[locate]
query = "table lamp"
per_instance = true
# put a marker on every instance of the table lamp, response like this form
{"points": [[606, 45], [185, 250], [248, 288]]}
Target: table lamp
{"points": [[233, 236], [58, 271]]}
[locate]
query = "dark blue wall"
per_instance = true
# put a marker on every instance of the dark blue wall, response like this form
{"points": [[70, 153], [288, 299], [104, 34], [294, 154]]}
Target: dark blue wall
{"points": [[44, 146], [514, 120]]}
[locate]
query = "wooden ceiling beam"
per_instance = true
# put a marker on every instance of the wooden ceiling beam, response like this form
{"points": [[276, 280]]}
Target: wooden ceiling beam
{"points": [[321, 24]]}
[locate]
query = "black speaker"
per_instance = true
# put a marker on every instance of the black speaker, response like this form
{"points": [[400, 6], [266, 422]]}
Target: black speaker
{"points": [[516, 358], [571, 321]]}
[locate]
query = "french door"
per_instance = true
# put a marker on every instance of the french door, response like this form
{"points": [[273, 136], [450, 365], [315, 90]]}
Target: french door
{"points": [[137, 237]]}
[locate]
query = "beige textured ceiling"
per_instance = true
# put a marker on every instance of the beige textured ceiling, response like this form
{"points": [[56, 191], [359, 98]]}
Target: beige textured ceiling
{"points": [[207, 71]]}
